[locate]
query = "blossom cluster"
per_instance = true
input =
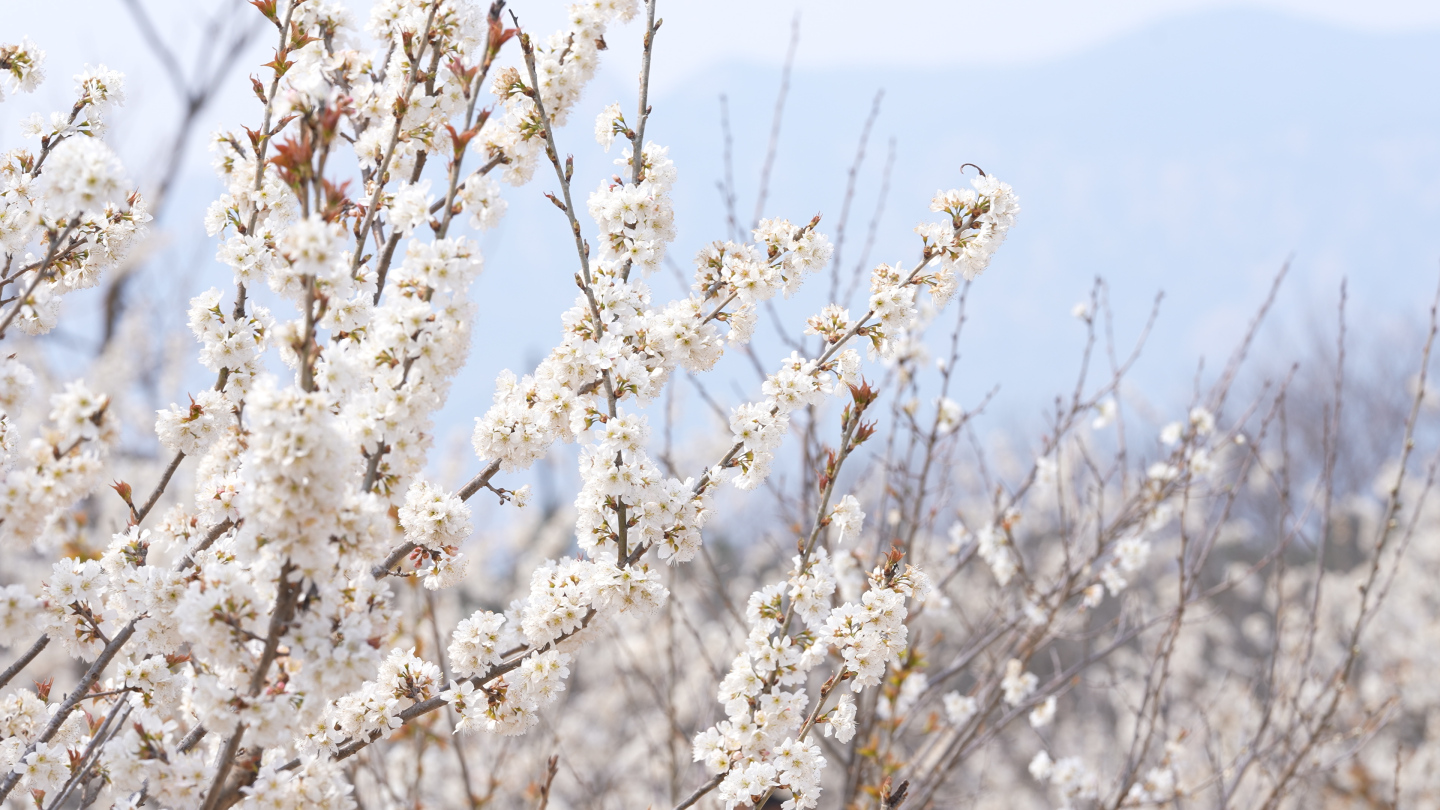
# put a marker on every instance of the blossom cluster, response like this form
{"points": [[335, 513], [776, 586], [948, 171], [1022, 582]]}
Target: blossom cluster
{"points": [[762, 746], [260, 606], [67, 214], [980, 218], [67, 209]]}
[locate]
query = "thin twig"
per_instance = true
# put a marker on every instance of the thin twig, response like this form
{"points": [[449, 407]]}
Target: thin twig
{"points": [[774, 146], [24, 660]]}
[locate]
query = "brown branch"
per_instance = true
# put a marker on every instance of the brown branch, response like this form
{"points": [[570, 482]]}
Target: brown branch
{"points": [[383, 167], [139, 517], [701, 791], [637, 139], [73, 699], [551, 768], [24, 660], [40, 273]]}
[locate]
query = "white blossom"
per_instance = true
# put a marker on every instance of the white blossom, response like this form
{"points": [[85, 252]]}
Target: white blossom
{"points": [[1018, 684], [83, 175]]}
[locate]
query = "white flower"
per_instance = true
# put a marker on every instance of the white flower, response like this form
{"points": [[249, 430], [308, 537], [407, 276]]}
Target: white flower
{"points": [[18, 612], [46, 768], [1203, 421], [948, 415], [1104, 414], [994, 548], [434, 518], [1018, 684], [979, 221], [1074, 780], [82, 174], [77, 412], [101, 86], [191, 429], [445, 570], [410, 207], [841, 720], [25, 65], [1157, 787], [475, 644], [481, 197], [521, 496], [16, 380], [1172, 433], [247, 255], [1160, 471], [1131, 552], [960, 709], [745, 786], [1041, 766], [605, 125], [1043, 714], [312, 247], [847, 518]]}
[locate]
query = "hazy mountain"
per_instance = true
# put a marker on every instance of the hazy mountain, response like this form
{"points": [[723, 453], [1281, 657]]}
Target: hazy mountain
{"points": [[1192, 157]]}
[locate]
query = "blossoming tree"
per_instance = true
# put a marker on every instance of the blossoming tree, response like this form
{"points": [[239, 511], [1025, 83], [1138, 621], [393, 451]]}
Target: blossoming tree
{"points": [[270, 617]]}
